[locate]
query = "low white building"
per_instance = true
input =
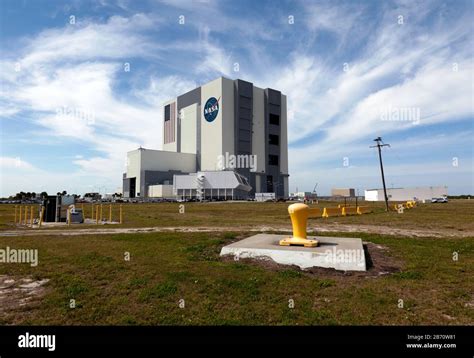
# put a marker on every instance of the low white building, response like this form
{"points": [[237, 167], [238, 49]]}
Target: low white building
{"points": [[304, 195], [404, 194], [208, 185]]}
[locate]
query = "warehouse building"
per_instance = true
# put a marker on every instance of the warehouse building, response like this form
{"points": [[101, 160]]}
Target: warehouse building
{"points": [[404, 194], [229, 134]]}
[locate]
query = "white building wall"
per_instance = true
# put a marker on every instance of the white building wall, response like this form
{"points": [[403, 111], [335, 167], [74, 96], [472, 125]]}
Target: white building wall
{"points": [[228, 124], [134, 164], [258, 135], [188, 119], [211, 132], [148, 159], [372, 195], [404, 194], [160, 191]]}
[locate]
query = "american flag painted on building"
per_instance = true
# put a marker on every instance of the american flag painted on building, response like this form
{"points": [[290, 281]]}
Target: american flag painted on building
{"points": [[170, 123]]}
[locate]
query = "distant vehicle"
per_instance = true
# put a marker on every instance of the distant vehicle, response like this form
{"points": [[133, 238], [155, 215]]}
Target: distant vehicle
{"points": [[439, 200]]}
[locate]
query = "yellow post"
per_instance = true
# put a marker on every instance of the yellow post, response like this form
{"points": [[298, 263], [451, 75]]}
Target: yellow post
{"points": [[96, 216], [19, 221], [121, 217], [41, 216], [15, 214], [101, 217], [299, 214], [92, 216], [31, 216], [26, 215], [110, 213]]}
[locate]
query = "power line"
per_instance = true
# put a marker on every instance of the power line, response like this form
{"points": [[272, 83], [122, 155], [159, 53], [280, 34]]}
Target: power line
{"points": [[379, 146]]}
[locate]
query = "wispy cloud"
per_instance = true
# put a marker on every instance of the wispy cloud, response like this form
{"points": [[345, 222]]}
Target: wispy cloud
{"points": [[340, 64]]}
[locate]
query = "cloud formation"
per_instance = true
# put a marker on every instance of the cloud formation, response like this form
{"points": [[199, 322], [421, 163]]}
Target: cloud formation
{"points": [[344, 68]]}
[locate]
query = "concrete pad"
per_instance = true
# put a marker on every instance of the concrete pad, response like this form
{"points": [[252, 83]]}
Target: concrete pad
{"points": [[340, 253]]}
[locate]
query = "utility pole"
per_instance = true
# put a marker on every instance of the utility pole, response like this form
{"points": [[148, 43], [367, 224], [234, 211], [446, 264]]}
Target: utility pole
{"points": [[379, 146]]}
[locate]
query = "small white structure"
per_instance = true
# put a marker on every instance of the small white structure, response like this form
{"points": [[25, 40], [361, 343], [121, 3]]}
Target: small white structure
{"points": [[161, 191], [304, 195], [264, 196], [404, 194], [218, 185]]}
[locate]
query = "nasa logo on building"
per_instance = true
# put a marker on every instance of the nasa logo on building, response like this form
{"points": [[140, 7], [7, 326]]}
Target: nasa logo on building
{"points": [[211, 109]]}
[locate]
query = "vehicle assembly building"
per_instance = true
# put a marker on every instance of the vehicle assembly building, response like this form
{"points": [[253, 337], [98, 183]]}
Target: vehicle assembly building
{"points": [[224, 140]]}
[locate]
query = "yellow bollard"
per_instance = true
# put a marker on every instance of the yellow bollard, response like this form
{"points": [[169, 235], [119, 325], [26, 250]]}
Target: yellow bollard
{"points": [[110, 213], [299, 214], [92, 216], [68, 217], [41, 217], [31, 216], [121, 217], [19, 221], [101, 217], [96, 216], [26, 215], [15, 214]]}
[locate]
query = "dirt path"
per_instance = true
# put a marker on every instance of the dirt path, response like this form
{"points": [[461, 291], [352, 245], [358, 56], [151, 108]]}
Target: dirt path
{"points": [[373, 229]]}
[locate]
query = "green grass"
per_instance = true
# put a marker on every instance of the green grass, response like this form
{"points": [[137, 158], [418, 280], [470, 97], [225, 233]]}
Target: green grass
{"points": [[455, 215], [167, 267]]}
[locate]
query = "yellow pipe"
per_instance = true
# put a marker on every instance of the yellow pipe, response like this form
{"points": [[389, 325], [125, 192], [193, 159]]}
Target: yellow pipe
{"points": [[31, 216], [101, 217], [15, 214], [92, 216], [26, 215], [121, 217], [110, 213], [19, 221], [96, 216]]}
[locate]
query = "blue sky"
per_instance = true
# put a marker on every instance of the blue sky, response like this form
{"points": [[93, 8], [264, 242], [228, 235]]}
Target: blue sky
{"points": [[352, 71]]}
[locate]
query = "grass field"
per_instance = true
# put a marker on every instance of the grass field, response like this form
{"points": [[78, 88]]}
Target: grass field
{"points": [[456, 215], [165, 268]]}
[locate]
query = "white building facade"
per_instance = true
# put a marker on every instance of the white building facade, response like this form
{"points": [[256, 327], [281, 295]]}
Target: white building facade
{"points": [[404, 194], [224, 125]]}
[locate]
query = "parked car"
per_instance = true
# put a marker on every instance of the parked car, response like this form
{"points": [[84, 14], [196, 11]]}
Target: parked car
{"points": [[439, 200]]}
